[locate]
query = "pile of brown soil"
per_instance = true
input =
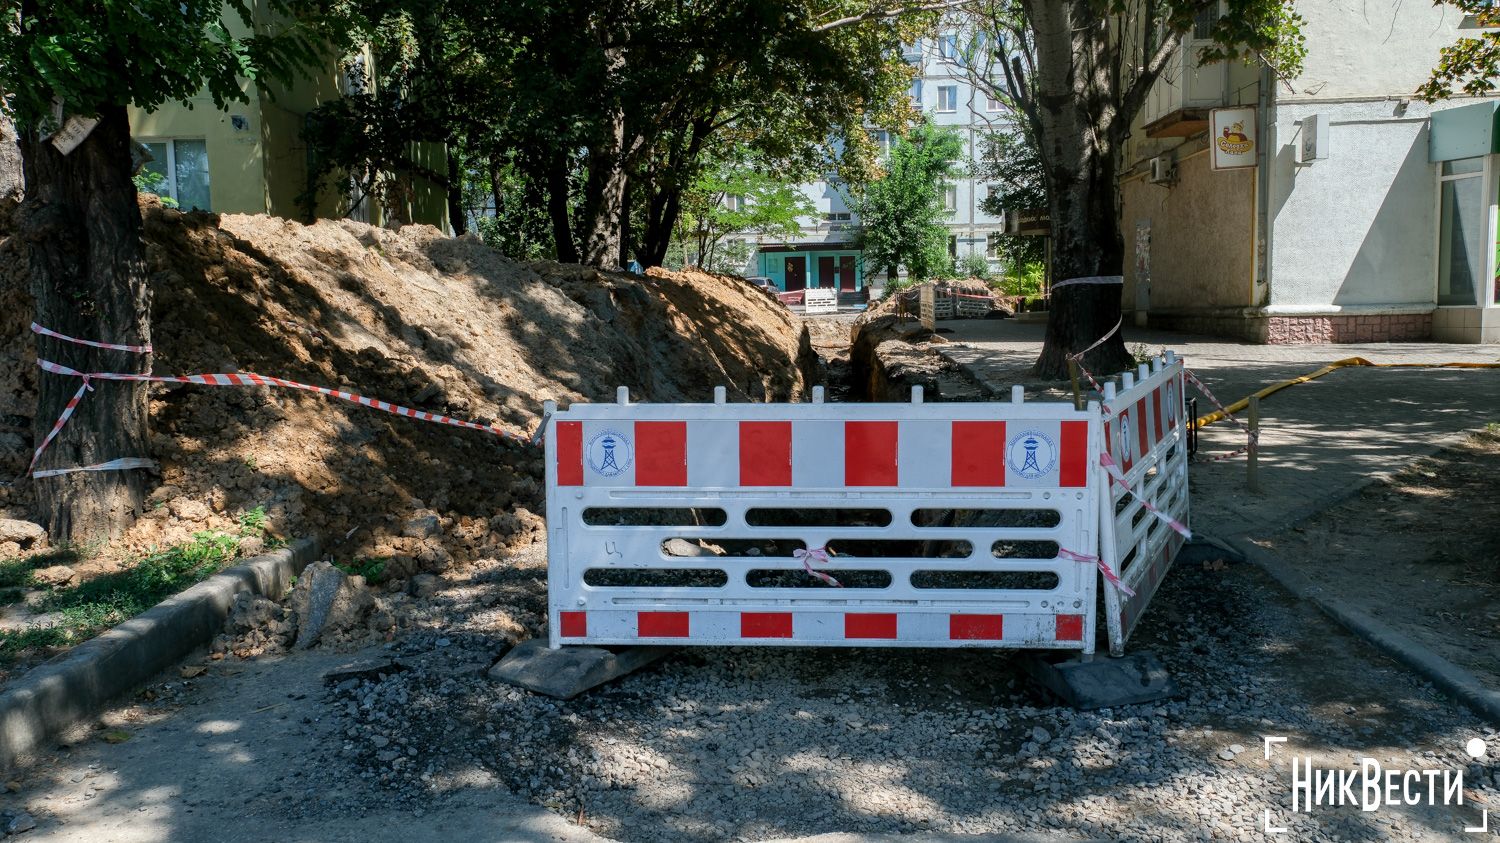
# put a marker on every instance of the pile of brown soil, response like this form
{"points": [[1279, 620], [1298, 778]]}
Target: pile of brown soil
{"points": [[412, 317]]}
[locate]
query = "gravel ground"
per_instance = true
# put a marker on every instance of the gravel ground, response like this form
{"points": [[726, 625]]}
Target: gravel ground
{"points": [[762, 743]]}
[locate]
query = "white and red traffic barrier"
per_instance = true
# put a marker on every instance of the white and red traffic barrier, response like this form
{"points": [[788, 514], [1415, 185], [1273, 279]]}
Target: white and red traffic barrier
{"points": [[1143, 489], [743, 468]]}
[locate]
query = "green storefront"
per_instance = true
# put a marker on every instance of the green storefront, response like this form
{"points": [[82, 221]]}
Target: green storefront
{"points": [[797, 268]]}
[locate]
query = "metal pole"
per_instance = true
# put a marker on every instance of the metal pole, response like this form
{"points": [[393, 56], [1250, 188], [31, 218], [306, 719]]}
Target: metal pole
{"points": [[1252, 470], [1073, 376]]}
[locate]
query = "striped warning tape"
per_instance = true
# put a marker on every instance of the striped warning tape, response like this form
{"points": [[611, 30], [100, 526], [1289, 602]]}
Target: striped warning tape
{"points": [[48, 332], [234, 379], [1251, 436]]}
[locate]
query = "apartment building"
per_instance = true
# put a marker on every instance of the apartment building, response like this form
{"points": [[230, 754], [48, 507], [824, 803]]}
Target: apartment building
{"points": [[824, 254], [1353, 211], [249, 158]]}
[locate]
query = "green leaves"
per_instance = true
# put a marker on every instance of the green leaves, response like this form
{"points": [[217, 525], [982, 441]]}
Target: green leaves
{"points": [[902, 214], [92, 53], [1470, 65]]}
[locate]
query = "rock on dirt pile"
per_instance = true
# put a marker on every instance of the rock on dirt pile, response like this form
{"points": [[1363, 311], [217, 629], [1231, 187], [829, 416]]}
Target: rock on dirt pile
{"points": [[411, 316]]}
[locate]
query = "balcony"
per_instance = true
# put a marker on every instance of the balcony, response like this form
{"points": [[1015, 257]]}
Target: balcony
{"points": [[1183, 95]]}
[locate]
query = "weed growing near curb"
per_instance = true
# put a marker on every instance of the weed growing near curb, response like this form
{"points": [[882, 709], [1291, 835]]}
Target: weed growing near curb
{"points": [[86, 609]]}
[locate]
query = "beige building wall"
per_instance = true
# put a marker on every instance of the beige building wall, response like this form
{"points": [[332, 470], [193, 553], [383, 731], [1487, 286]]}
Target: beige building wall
{"points": [[257, 160], [1200, 253]]}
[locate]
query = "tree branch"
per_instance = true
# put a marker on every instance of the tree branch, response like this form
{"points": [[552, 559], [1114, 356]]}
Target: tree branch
{"points": [[887, 14]]}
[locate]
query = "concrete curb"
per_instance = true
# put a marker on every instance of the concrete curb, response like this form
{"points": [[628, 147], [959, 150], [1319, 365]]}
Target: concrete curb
{"points": [[1447, 676], [77, 684]]}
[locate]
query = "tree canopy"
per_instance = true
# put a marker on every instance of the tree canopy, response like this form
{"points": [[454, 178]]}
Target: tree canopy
{"points": [[1472, 63], [902, 213], [606, 109]]}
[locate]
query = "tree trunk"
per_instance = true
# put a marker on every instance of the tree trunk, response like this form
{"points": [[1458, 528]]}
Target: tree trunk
{"points": [[1079, 125], [557, 209], [604, 199], [12, 181], [457, 216], [82, 229]]}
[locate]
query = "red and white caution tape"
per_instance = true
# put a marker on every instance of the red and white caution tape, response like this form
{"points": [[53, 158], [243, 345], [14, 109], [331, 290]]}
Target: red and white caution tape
{"points": [[238, 379], [1250, 435], [1115, 474], [48, 332], [113, 465], [1108, 572], [816, 554], [1078, 359]]}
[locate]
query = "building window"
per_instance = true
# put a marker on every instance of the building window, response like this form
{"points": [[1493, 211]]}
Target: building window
{"points": [[837, 216], [948, 45], [1464, 236], [992, 246], [178, 170], [734, 202], [950, 197], [947, 98], [1203, 22], [882, 140], [990, 103], [916, 92]]}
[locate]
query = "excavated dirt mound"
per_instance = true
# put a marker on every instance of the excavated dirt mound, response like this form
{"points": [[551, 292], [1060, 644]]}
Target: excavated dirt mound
{"points": [[413, 317]]}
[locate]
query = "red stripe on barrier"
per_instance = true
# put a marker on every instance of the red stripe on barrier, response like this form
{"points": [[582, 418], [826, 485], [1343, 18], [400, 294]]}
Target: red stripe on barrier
{"points": [[1075, 454], [765, 624], [661, 624], [978, 453], [1070, 627], [870, 453], [766, 453], [976, 627], [1142, 435], [661, 453], [569, 453], [881, 625], [573, 624], [1156, 403]]}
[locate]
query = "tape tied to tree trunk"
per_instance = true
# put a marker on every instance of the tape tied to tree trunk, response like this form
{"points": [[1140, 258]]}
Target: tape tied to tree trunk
{"points": [[1089, 279]]}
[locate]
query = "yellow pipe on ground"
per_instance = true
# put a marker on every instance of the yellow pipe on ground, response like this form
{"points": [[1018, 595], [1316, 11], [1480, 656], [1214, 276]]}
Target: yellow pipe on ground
{"points": [[1218, 415]]}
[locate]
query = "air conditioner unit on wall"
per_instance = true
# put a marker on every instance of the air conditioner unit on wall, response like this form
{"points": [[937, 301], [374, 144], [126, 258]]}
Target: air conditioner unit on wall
{"points": [[1163, 171]]}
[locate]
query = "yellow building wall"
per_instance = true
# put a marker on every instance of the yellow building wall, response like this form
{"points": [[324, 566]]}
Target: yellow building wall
{"points": [[1201, 251], [236, 158]]}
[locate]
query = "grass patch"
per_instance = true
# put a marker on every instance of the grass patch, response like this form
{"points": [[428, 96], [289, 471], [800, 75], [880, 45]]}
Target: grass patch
{"points": [[93, 606]]}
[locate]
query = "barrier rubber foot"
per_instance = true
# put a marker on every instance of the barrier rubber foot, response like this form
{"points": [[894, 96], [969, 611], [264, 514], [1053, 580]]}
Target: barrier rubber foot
{"points": [[566, 672], [1102, 682]]}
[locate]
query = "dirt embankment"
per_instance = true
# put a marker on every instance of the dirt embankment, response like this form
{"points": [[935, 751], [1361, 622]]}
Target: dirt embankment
{"points": [[413, 317]]}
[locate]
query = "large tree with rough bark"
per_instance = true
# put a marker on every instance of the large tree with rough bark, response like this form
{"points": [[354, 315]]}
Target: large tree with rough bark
{"points": [[1076, 73], [68, 66]]}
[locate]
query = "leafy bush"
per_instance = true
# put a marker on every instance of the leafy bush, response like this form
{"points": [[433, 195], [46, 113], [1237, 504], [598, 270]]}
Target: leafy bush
{"points": [[974, 266], [1025, 280]]}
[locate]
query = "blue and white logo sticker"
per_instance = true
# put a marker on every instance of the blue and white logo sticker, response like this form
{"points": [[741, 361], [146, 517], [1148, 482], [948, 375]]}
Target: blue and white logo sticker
{"points": [[1125, 449], [1031, 454], [609, 453], [1171, 401]]}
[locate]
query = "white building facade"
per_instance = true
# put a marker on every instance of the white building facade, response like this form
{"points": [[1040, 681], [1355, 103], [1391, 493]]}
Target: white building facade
{"points": [[1363, 215], [824, 253]]}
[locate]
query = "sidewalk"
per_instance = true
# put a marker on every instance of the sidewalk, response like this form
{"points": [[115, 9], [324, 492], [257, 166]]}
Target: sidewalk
{"points": [[1319, 440]]}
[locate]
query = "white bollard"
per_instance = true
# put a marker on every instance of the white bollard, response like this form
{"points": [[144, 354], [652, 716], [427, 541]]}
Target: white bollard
{"points": [[622, 395], [721, 395], [817, 395], [1017, 394], [916, 394]]}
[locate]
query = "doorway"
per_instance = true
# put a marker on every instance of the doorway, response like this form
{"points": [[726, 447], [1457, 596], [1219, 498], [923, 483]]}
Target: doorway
{"points": [[848, 278], [795, 273], [827, 277]]}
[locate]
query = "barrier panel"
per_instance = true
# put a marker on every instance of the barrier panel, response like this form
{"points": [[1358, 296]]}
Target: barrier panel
{"points": [[1146, 438], [821, 300], [932, 525]]}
